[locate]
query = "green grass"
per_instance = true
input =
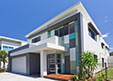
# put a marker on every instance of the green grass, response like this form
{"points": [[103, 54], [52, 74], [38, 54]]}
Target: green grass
{"points": [[109, 72]]}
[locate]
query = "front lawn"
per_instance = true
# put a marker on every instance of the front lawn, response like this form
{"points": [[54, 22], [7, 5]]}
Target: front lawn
{"points": [[109, 72]]}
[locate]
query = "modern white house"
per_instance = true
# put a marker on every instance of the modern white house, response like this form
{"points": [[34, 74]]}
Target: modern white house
{"points": [[56, 46], [9, 44]]}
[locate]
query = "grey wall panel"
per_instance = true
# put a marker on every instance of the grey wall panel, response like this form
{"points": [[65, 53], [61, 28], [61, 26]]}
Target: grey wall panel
{"points": [[34, 60], [67, 64], [72, 43]]}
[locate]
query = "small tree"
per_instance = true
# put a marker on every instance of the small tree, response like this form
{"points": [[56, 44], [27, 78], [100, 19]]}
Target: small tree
{"points": [[3, 57], [111, 53], [89, 64]]}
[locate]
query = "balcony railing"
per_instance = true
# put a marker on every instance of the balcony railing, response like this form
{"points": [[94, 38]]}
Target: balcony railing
{"points": [[53, 40]]}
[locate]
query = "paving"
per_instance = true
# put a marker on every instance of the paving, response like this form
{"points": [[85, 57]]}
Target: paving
{"points": [[16, 77]]}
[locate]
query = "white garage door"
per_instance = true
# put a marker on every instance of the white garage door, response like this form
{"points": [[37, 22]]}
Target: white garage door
{"points": [[19, 64]]}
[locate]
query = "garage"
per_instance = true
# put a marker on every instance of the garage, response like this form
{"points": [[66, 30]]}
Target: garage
{"points": [[19, 64]]}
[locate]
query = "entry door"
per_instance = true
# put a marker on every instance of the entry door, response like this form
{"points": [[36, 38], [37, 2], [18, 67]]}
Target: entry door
{"points": [[54, 62]]}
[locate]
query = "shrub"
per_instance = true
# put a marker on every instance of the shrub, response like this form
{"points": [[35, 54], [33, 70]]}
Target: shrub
{"points": [[101, 77], [1, 70], [89, 64]]}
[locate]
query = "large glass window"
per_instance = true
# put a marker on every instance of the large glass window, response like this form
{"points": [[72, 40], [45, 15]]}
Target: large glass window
{"points": [[57, 32], [63, 30], [92, 34], [5, 47], [36, 40]]}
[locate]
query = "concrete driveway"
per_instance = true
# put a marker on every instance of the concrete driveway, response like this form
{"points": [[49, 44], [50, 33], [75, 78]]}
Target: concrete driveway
{"points": [[15, 77]]}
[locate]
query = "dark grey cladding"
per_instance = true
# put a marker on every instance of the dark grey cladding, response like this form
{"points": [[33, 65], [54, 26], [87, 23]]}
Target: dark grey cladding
{"points": [[20, 48]]}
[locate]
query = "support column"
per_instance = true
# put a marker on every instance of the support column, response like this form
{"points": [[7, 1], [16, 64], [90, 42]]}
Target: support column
{"points": [[43, 63]]}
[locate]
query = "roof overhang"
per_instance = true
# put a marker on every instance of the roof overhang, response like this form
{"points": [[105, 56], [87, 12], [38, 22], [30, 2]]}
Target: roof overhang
{"points": [[50, 48], [93, 28], [69, 12], [11, 39]]}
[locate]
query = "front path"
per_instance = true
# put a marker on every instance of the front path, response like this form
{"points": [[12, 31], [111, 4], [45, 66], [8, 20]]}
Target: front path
{"points": [[15, 77]]}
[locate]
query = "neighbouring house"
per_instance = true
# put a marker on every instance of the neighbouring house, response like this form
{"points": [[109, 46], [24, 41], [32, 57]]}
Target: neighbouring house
{"points": [[9, 44], [110, 61], [56, 46]]}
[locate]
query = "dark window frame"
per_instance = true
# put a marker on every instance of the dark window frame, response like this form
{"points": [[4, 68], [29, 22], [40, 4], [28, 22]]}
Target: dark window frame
{"points": [[103, 62], [102, 45], [92, 34], [37, 39]]}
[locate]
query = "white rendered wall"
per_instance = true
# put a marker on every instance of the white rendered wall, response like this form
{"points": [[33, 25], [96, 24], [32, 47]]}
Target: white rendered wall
{"points": [[89, 44], [43, 37], [53, 40]]}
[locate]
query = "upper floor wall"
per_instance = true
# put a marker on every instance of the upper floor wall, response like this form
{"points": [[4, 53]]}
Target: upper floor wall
{"points": [[91, 38], [93, 42]]}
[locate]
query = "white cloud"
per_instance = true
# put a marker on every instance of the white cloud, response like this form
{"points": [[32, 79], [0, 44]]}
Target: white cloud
{"points": [[106, 17], [105, 35], [106, 21], [111, 48]]}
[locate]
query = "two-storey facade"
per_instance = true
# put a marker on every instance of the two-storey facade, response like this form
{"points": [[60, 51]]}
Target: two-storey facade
{"points": [[8, 44], [56, 46]]}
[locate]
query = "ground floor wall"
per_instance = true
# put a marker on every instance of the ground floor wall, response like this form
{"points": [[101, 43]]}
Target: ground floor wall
{"points": [[25, 64]]}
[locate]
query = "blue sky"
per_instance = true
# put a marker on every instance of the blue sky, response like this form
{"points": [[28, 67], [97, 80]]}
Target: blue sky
{"points": [[19, 17]]}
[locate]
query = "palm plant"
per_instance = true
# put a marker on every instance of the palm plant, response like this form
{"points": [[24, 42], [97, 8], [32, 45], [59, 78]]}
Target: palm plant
{"points": [[89, 64], [3, 57]]}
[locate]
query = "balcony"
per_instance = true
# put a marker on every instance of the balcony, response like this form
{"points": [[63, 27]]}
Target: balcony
{"points": [[52, 40], [50, 45]]}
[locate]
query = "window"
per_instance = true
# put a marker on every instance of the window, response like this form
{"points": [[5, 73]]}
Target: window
{"points": [[7, 48], [102, 62], [92, 34], [11, 48], [106, 48], [63, 30], [57, 32], [102, 45], [71, 28], [95, 57], [36, 40], [49, 34]]}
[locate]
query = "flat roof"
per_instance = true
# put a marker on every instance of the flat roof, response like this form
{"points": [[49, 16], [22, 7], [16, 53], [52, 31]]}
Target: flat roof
{"points": [[70, 11], [12, 39]]}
